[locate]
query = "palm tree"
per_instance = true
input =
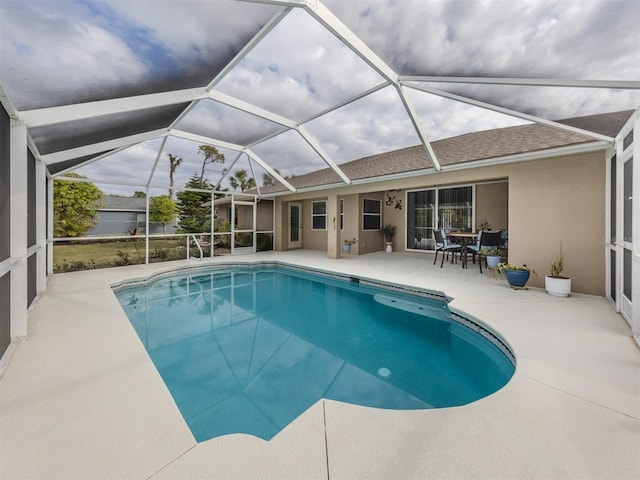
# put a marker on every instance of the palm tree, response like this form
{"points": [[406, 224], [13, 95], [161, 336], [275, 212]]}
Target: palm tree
{"points": [[241, 179], [174, 163]]}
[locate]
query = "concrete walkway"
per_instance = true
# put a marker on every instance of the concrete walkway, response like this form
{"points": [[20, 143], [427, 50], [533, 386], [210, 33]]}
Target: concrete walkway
{"points": [[81, 398]]}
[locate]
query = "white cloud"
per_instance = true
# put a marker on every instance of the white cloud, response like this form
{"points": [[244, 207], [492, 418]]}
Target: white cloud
{"points": [[57, 51], [46, 68]]}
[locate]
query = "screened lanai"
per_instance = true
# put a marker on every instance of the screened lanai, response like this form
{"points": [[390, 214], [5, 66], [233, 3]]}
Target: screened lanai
{"points": [[110, 89]]}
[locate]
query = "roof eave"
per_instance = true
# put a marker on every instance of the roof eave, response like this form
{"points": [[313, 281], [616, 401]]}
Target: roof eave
{"points": [[517, 158]]}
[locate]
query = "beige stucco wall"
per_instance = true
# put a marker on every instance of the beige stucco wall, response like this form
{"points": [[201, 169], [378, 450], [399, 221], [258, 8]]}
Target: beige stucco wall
{"points": [[553, 200], [369, 240], [492, 204], [264, 215], [395, 216], [351, 227], [558, 201], [312, 239]]}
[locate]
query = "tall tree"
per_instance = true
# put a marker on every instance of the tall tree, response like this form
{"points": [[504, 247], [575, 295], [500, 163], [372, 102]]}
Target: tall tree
{"points": [[211, 155], [74, 206], [162, 209], [193, 216], [268, 179], [174, 163], [241, 179]]}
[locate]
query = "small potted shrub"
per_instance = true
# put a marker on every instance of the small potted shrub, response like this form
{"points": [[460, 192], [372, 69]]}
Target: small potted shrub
{"points": [[516, 276], [388, 231], [493, 256], [348, 243], [555, 283]]}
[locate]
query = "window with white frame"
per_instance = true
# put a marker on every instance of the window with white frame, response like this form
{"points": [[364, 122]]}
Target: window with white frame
{"points": [[371, 214], [319, 215]]}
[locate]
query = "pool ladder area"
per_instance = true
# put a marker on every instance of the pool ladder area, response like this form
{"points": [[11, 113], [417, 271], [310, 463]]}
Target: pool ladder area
{"points": [[195, 240]]}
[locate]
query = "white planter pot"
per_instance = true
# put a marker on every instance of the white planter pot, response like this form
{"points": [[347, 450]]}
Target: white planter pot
{"points": [[493, 261], [389, 248], [558, 287]]}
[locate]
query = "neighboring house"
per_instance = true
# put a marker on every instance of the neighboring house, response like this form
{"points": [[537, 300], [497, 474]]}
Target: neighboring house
{"points": [[123, 215], [547, 187]]}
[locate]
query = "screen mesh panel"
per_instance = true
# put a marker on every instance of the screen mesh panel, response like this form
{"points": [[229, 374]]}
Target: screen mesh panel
{"points": [[64, 136]]}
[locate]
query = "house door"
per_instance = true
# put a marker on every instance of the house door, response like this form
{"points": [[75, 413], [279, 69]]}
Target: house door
{"points": [[295, 225], [623, 258]]}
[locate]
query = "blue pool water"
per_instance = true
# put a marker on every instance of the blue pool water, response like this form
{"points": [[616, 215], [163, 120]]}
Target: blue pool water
{"points": [[248, 350]]}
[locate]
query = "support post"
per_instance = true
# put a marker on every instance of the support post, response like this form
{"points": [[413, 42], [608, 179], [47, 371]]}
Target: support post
{"points": [[41, 227], [19, 199]]}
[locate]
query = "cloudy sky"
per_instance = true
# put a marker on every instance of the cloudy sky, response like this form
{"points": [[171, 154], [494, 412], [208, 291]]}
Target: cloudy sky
{"points": [[63, 52]]}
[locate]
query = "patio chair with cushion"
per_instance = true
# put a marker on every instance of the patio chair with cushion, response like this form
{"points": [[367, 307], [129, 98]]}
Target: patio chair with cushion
{"points": [[490, 240], [444, 246]]}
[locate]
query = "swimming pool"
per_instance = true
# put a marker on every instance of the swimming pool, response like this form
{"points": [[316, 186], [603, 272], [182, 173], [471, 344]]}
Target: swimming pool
{"points": [[248, 348]]}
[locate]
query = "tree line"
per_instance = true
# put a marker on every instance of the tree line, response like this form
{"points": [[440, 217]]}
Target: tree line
{"points": [[75, 203]]}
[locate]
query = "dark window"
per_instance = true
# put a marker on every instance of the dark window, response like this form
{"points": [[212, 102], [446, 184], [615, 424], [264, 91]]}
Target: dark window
{"points": [[627, 204], [31, 200], [628, 140], [5, 312], [613, 196], [371, 214], [626, 268], [319, 215], [613, 275]]}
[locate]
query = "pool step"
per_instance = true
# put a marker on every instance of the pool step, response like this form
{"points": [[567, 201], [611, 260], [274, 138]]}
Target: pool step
{"points": [[438, 312]]}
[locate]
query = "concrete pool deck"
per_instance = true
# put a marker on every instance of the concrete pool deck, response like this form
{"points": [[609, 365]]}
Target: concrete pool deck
{"points": [[80, 398]]}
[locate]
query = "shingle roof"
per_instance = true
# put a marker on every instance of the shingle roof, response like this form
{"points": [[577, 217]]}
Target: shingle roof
{"points": [[466, 148]]}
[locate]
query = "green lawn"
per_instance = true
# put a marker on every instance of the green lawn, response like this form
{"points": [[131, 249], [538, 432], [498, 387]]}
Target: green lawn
{"points": [[100, 254]]}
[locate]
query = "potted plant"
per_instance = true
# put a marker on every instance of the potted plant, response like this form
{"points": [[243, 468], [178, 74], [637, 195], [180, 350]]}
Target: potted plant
{"points": [[484, 225], [348, 243], [516, 276], [388, 231], [493, 256], [556, 284]]}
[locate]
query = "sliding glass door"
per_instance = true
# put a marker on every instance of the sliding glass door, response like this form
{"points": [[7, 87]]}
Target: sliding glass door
{"points": [[455, 208], [421, 219], [446, 208]]}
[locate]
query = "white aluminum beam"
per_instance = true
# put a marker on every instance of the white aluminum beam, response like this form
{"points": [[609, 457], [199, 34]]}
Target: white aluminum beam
{"points": [[250, 108], [227, 170], [270, 170], [273, 117], [118, 143], [532, 82], [231, 146], [346, 102], [79, 111], [414, 120], [320, 151], [328, 20], [264, 31], [253, 173], [507, 111], [271, 24], [155, 163]]}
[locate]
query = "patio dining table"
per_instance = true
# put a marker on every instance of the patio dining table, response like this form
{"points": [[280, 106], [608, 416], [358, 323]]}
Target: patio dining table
{"points": [[464, 239]]}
